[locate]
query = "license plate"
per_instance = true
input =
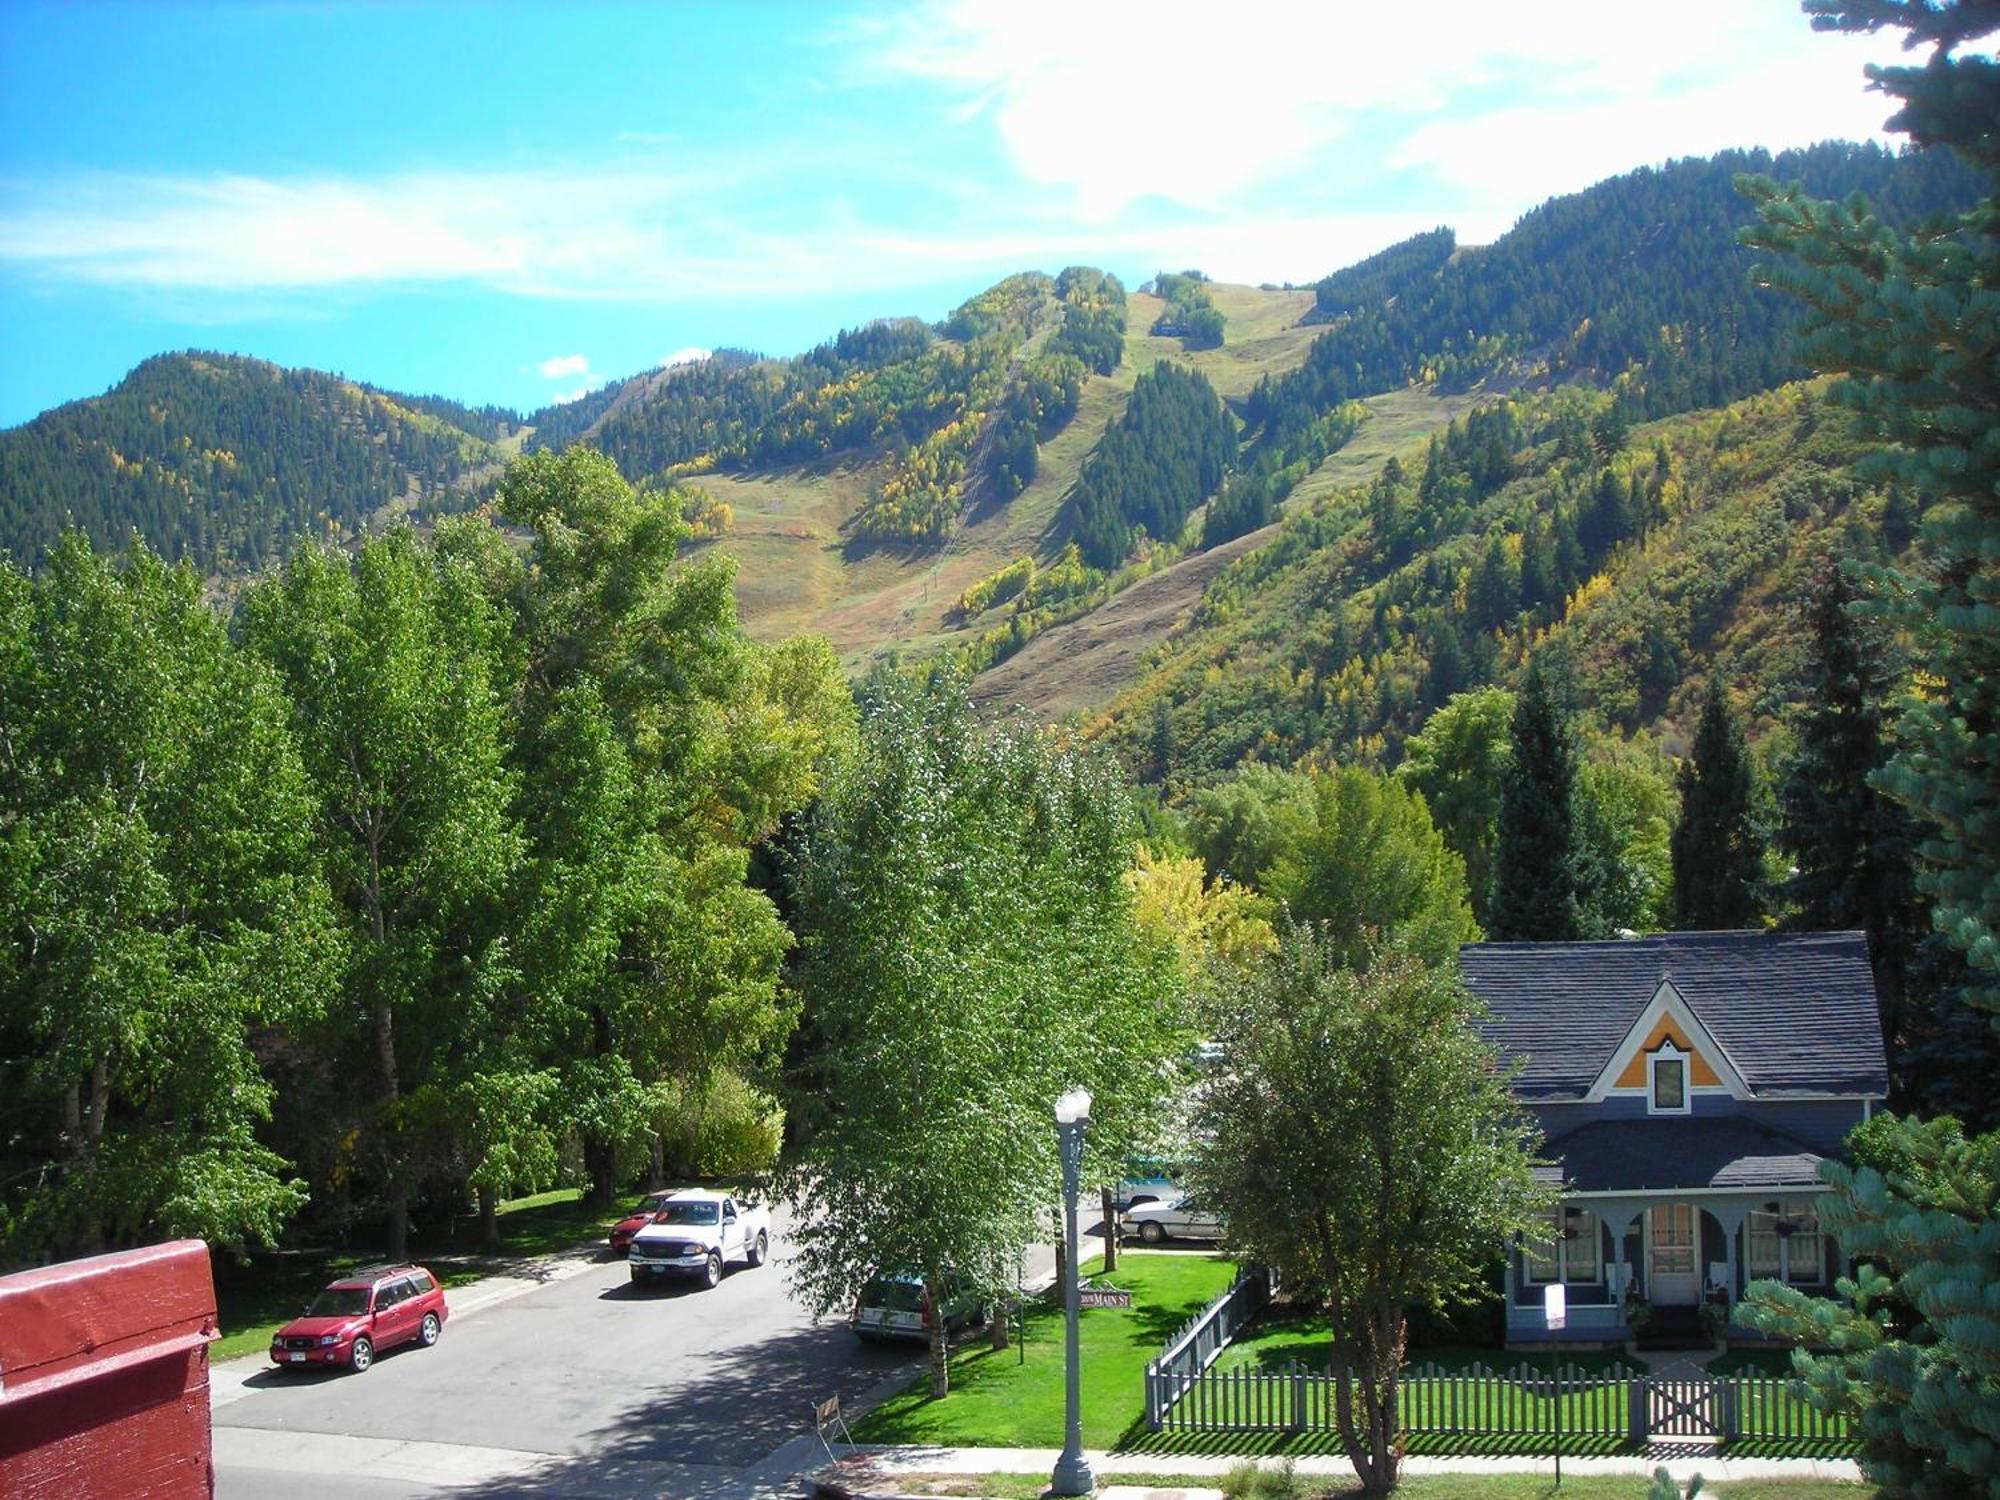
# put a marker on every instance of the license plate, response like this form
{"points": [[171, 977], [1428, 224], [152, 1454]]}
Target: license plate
{"points": [[298, 1359]]}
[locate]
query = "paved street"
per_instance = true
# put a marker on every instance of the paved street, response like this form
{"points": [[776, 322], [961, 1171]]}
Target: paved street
{"points": [[583, 1386]]}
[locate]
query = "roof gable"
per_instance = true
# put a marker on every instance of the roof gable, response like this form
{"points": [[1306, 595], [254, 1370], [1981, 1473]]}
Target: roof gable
{"points": [[1787, 1014], [1668, 1018]]}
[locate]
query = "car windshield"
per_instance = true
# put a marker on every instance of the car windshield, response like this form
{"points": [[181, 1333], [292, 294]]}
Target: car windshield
{"points": [[651, 1205], [688, 1213], [896, 1296], [339, 1302]]}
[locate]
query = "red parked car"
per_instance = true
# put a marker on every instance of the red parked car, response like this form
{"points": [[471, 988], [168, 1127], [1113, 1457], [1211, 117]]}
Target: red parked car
{"points": [[359, 1316], [638, 1219]]}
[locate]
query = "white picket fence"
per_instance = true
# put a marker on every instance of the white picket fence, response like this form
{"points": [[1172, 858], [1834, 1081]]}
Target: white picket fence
{"points": [[1189, 1353]]}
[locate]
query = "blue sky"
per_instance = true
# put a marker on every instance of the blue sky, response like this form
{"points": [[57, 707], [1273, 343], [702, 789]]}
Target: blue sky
{"points": [[512, 203]]}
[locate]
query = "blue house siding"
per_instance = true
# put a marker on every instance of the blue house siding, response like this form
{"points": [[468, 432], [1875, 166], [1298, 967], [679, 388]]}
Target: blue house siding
{"points": [[1821, 1123]]}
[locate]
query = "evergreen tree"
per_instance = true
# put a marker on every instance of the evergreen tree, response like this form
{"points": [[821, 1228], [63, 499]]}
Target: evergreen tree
{"points": [[1853, 849], [1718, 874], [1913, 319], [1538, 867], [1912, 1345]]}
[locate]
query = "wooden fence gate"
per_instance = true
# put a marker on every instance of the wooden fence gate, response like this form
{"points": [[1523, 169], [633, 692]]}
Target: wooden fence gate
{"points": [[1685, 1401]]}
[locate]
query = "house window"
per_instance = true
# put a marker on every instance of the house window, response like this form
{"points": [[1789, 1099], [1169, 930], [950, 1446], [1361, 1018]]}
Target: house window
{"points": [[1566, 1250], [1785, 1244], [1667, 1073]]}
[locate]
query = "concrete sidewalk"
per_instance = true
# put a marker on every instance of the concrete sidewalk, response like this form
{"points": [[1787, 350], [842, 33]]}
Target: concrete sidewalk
{"points": [[1682, 1460]]}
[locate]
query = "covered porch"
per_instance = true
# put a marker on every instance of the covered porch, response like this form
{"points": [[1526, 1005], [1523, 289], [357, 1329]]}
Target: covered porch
{"points": [[1663, 1225]]}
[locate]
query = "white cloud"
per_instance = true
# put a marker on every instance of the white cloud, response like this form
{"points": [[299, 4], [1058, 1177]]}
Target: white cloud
{"points": [[564, 365], [688, 356], [1119, 102], [540, 233], [1274, 142], [576, 395]]}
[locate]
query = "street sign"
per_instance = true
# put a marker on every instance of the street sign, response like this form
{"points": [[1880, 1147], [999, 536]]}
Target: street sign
{"points": [[1555, 1309], [1103, 1297]]}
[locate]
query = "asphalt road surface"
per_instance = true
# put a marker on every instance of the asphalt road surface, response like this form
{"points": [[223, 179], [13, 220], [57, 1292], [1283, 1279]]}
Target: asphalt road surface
{"points": [[584, 1386]]}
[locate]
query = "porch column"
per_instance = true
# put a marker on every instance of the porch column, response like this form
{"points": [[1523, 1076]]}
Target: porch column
{"points": [[1618, 1216], [1731, 1216]]}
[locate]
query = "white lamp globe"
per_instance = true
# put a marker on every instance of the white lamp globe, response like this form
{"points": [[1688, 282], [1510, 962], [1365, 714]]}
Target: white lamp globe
{"points": [[1073, 1106]]}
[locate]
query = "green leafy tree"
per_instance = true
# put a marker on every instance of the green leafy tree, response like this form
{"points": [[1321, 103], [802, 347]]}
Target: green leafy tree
{"points": [[1368, 861], [968, 953], [1459, 761], [658, 744], [1717, 855], [1539, 869], [1910, 1349], [1912, 319], [1363, 1144], [389, 662], [1625, 802], [1853, 849], [1242, 826], [159, 897]]}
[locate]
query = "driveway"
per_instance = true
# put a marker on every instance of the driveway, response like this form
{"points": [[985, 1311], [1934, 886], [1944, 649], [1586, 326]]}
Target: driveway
{"points": [[582, 1385]]}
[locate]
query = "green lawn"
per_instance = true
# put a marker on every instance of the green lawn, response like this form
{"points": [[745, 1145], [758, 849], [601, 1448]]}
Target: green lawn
{"points": [[257, 1295], [1001, 1398]]}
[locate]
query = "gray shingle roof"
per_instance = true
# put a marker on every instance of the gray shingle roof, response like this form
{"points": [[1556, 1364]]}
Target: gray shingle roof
{"points": [[1723, 1151], [1795, 1011]]}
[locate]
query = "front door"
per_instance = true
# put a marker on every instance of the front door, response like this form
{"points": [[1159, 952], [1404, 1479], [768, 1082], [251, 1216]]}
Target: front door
{"points": [[1673, 1250]]}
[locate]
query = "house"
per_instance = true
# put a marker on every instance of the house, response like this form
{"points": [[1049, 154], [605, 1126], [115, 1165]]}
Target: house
{"points": [[1688, 1087]]}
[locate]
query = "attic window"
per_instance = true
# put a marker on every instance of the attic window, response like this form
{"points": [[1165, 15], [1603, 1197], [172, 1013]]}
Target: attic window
{"points": [[1667, 1076]]}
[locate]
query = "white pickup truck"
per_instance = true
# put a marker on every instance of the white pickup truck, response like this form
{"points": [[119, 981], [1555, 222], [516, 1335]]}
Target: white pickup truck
{"points": [[696, 1233]]}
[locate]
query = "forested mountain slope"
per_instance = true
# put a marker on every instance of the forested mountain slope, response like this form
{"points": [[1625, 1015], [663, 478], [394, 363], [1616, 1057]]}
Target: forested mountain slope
{"points": [[793, 534], [1636, 284], [1648, 557], [229, 461], [906, 487]]}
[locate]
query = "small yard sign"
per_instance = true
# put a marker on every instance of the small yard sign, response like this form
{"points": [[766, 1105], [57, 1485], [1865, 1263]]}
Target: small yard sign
{"points": [[1103, 1296]]}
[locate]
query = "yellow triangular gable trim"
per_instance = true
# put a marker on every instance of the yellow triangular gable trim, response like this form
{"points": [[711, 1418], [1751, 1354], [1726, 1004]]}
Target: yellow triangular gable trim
{"points": [[1668, 1017], [1700, 1073]]}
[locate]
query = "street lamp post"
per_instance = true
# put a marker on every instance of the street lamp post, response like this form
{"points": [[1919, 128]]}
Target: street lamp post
{"points": [[1072, 1474]]}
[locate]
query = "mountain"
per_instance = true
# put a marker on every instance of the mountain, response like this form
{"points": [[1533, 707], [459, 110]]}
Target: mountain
{"points": [[1648, 562], [229, 461], [1636, 284], [1076, 491]]}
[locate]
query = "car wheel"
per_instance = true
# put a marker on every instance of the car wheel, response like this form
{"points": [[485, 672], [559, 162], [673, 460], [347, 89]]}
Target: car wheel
{"points": [[1151, 1232], [362, 1355], [761, 1251], [712, 1272], [636, 1274], [427, 1333]]}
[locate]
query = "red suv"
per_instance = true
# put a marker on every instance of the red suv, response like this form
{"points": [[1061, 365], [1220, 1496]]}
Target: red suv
{"points": [[632, 1223], [359, 1316]]}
